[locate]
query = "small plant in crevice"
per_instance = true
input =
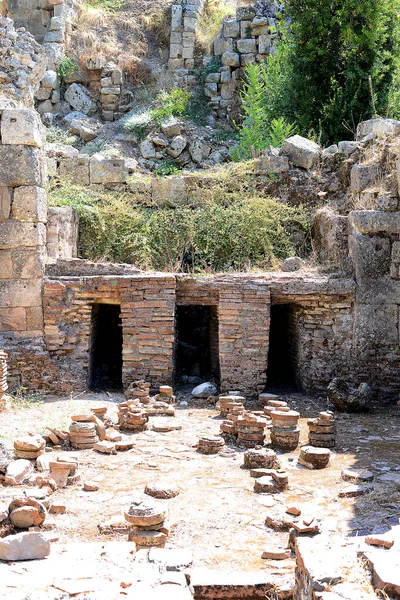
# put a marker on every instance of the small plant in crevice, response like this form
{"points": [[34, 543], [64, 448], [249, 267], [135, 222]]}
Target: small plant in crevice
{"points": [[66, 68], [165, 168]]}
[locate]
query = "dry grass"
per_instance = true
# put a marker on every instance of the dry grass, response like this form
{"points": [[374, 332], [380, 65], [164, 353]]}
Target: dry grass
{"points": [[210, 23], [125, 35]]}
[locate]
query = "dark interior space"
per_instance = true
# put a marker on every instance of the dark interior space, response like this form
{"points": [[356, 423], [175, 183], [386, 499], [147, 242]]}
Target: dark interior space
{"points": [[105, 368], [197, 344], [281, 375]]}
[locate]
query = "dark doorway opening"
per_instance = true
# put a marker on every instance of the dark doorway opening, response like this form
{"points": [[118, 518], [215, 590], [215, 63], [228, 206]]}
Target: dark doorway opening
{"points": [[281, 375], [197, 345], [105, 366]]}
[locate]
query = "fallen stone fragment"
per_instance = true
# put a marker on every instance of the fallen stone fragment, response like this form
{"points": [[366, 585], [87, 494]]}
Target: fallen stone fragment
{"points": [[57, 509], [113, 436], [90, 486], [385, 567], [352, 491], [124, 445], [27, 516], [293, 510], [24, 546], [158, 490], [381, 541], [105, 447], [274, 554], [18, 471], [165, 425], [266, 485], [204, 390], [357, 475]]}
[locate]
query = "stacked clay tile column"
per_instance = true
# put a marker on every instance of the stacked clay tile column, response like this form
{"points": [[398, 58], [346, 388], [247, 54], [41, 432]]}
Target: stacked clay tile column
{"points": [[244, 320], [3, 380], [22, 231]]}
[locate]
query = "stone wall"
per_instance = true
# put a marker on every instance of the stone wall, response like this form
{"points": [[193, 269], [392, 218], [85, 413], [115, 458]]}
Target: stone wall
{"points": [[185, 15], [62, 233], [23, 215]]}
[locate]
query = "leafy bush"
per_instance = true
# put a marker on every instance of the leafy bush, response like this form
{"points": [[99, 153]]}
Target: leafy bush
{"points": [[258, 131], [173, 103], [56, 135], [320, 76], [66, 67], [226, 230]]}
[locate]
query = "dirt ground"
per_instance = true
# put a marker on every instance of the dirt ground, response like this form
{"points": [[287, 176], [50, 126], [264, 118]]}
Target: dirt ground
{"points": [[217, 515]]}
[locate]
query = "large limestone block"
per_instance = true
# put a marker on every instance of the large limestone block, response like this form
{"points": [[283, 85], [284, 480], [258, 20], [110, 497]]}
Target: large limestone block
{"points": [[80, 99], [177, 146], [13, 319], [376, 326], [29, 204], [271, 164], [27, 263], [370, 255], [28, 545], [14, 234], [264, 44], [107, 170], [5, 203], [172, 189], [362, 176], [375, 221], [75, 169], [246, 46], [22, 293], [231, 28], [5, 265], [22, 165], [378, 127], [24, 127], [301, 151], [230, 59]]}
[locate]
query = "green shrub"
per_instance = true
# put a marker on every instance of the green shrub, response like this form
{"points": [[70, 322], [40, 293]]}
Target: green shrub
{"points": [[227, 230], [166, 167], [257, 130], [320, 76], [173, 103], [66, 68], [110, 6]]}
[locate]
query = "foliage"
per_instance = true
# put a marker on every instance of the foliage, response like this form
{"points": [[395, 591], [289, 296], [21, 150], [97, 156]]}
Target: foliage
{"points": [[109, 6], [56, 135], [320, 75], [258, 131], [211, 67], [66, 68], [210, 23], [93, 147], [166, 167], [173, 103], [138, 123], [227, 229]]}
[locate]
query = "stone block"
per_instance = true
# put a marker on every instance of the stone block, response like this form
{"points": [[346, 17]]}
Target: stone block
{"points": [[259, 26], [245, 13], [246, 46], [213, 78], [117, 77], [176, 63], [230, 59], [225, 76], [75, 169], [247, 59], [301, 151], [222, 45], [29, 204], [20, 293], [12, 319], [22, 165], [378, 127], [56, 37], [189, 23], [228, 90], [169, 189], [147, 149], [188, 53], [211, 89], [5, 203], [245, 29], [231, 28], [362, 176], [264, 44], [34, 318], [14, 234], [176, 37], [107, 170], [175, 50], [376, 326], [27, 263], [176, 17], [80, 99], [370, 255], [5, 264], [177, 146], [22, 127], [272, 164], [50, 80], [375, 221], [199, 150]]}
